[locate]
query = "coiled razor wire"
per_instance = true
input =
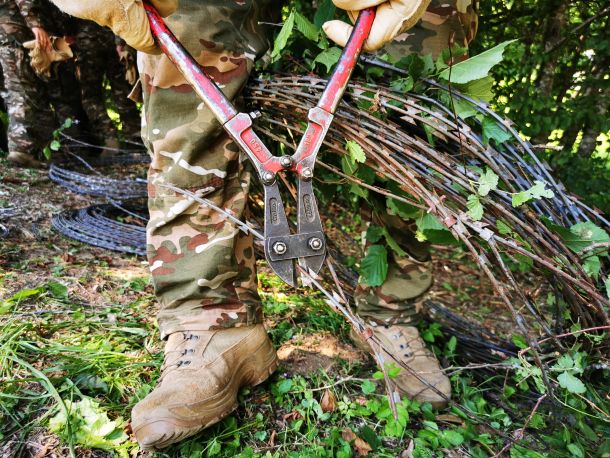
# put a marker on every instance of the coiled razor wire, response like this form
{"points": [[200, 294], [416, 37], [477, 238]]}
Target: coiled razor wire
{"points": [[97, 185], [100, 225], [435, 158], [5, 214]]}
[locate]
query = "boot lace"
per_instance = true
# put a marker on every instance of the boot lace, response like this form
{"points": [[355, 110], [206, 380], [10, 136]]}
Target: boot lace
{"points": [[182, 356]]}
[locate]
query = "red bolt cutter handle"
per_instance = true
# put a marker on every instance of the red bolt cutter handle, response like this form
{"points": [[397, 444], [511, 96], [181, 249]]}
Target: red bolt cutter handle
{"points": [[281, 247]]}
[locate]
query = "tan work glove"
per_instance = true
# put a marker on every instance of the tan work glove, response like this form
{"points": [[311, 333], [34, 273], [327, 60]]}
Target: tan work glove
{"points": [[41, 58], [126, 18], [393, 17]]}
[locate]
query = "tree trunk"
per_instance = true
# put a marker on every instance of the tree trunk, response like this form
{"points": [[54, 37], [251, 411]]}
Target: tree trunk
{"points": [[555, 25]]}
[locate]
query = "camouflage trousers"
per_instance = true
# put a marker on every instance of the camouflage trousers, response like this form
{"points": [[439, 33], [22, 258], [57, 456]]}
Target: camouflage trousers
{"points": [[203, 267], [97, 59], [30, 119], [397, 300]]}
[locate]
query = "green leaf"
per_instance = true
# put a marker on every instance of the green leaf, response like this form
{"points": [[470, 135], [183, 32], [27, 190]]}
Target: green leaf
{"points": [[55, 145], [463, 108], [359, 190], [58, 290], [402, 209], [476, 67], [374, 266], [581, 235], [355, 151], [564, 362], [538, 191], [368, 387], [488, 181], [503, 228], [325, 12], [519, 198], [607, 285], [304, 26], [453, 437], [89, 425], [587, 234], [402, 85], [393, 244], [370, 437], [519, 341], [374, 233], [480, 89], [348, 166], [284, 386], [328, 57], [427, 221], [492, 130], [592, 266], [7, 305], [282, 38], [431, 229], [576, 450], [47, 153], [571, 383], [475, 208]]}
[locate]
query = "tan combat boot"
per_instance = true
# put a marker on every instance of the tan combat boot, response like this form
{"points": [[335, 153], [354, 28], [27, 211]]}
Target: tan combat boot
{"points": [[201, 375], [407, 346]]}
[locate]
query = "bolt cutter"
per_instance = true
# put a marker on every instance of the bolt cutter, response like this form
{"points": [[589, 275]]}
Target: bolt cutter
{"points": [[282, 248]]}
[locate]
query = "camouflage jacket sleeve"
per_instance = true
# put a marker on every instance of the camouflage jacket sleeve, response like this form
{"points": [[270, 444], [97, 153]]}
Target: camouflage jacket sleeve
{"points": [[30, 12]]}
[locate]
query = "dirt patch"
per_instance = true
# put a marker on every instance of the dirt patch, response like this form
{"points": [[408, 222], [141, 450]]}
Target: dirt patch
{"points": [[306, 354]]}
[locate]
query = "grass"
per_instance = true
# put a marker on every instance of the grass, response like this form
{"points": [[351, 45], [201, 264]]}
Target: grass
{"points": [[70, 372]]}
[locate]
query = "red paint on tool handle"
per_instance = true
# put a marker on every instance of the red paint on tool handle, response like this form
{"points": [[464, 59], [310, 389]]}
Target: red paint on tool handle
{"points": [[188, 66], [338, 81]]}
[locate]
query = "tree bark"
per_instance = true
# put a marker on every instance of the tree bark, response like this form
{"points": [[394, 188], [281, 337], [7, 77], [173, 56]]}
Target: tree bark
{"points": [[556, 23]]}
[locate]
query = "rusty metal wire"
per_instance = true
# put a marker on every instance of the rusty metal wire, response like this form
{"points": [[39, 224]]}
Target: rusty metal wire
{"points": [[419, 144], [392, 132]]}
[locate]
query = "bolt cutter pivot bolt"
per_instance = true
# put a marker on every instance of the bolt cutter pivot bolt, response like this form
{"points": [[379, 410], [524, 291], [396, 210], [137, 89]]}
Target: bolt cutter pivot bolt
{"points": [[268, 177], [315, 243], [280, 248], [286, 162], [307, 173]]}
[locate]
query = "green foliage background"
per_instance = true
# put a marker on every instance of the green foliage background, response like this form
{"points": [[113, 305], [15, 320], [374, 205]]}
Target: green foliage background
{"points": [[554, 83]]}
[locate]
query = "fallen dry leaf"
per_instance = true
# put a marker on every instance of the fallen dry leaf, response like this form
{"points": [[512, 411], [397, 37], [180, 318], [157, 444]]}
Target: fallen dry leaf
{"points": [[348, 435], [294, 415], [328, 402], [272, 438], [449, 418], [362, 447]]}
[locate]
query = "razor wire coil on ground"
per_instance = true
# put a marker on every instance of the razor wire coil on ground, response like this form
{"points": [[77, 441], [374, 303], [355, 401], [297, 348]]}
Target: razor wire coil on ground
{"points": [[394, 131]]}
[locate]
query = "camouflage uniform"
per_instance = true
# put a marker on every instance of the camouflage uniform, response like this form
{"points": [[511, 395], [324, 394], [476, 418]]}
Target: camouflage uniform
{"points": [[203, 267], [97, 58], [30, 117], [62, 87], [396, 301]]}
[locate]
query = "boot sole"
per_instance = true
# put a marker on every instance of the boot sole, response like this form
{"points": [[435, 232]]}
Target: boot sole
{"points": [[269, 363]]}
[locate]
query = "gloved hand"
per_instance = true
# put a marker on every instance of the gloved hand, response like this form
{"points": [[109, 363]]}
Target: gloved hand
{"points": [[42, 58], [393, 17], [126, 18]]}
